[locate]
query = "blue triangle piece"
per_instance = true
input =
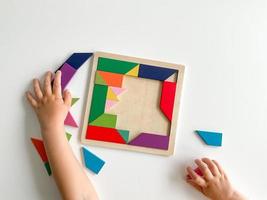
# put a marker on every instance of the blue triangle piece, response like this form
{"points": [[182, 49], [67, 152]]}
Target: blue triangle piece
{"points": [[91, 161], [77, 59], [210, 138]]}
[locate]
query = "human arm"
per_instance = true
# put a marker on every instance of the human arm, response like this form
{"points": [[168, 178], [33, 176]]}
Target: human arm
{"points": [[51, 109]]}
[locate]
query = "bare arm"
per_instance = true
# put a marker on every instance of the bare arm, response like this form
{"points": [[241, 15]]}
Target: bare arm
{"points": [[213, 182], [51, 109]]}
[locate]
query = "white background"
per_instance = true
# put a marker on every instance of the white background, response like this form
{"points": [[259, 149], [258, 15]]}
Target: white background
{"points": [[223, 45]]}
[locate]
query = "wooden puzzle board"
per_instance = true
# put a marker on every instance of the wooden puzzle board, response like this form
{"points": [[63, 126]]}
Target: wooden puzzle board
{"points": [[138, 109], [142, 105]]}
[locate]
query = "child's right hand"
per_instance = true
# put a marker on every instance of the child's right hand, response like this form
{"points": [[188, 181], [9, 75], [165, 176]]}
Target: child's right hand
{"points": [[214, 183]]}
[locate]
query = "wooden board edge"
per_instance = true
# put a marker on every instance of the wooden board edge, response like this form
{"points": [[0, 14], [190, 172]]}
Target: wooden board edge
{"points": [[127, 147], [176, 109], [89, 98], [140, 60]]}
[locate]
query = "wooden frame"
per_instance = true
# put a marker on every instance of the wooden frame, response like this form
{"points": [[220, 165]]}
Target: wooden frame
{"points": [[173, 123]]}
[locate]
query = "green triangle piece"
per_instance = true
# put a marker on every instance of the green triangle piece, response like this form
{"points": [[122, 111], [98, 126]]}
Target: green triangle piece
{"points": [[99, 79], [74, 100], [68, 135], [105, 120], [124, 134], [48, 169]]}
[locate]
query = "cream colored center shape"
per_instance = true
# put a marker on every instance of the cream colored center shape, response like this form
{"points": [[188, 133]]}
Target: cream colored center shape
{"points": [[138, 109]]}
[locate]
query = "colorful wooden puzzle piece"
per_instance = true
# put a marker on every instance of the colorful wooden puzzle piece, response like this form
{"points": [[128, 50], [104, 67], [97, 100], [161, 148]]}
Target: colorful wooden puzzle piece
{"points": [[167, 98], [124, 134], [198, 171], [108, 78], [110, 104], [98, 101], [74, 100], [117, 90], [71, 65], [70, 121], [111, 95], [151, 141], [134, 71], [153, 72], [77, 59], [210, 138], [104, 134], [68, 135], [91, 161], [105, 120], [115, 66], [40, 148], [67, 72]]}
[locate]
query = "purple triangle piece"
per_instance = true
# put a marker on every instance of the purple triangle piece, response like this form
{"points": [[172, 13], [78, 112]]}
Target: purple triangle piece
{"points": [[70, 121], [151, 141], [67, 72]]}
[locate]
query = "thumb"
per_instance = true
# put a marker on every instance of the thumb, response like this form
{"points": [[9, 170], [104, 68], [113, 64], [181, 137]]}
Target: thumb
{"points": [[67, 98]]}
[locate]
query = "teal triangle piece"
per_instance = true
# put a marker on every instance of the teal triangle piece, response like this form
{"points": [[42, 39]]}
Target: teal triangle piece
{"points": [[48, 169], [210, 138], [91, 161], [124, 134]]}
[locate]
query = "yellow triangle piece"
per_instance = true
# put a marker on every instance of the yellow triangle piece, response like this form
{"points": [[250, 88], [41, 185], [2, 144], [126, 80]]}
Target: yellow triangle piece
{"points": [[134, 71], [111, 95]]}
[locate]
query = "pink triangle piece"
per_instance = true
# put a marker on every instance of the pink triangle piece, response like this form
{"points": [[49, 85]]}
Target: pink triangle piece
{"points": [[118, 90], [109, 104], [70, 121]]}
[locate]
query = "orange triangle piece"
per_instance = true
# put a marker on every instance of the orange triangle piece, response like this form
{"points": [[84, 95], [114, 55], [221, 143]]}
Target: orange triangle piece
{"points": [[111, 79]]}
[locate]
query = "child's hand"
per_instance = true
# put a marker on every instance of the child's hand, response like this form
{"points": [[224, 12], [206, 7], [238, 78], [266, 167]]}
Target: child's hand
{"points": [[49, 105], [214, 183]]}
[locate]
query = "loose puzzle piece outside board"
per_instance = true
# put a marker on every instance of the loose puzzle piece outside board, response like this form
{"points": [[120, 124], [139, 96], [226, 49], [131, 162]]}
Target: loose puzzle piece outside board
{"points": [[68, 70], [40, 148], [210, 138], [132, 104], [91, 161]]}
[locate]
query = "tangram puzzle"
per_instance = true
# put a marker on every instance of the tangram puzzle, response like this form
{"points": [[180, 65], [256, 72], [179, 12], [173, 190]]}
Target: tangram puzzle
{"points": [[132, 104]]}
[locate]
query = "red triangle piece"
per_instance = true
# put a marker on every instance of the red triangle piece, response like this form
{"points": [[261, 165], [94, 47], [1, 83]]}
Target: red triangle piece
{"points": [[104, 134], [70, 121], [167, 98], [39, 146]]}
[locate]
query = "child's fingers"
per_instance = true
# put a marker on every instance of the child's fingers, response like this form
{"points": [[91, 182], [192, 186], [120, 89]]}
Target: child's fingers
{"points": [[47, 84], [57, 85], [204, 169], [213, 168], [31, 99], [67, 98], [195, 177], [37, 89], [196, 186], [219, 167]]}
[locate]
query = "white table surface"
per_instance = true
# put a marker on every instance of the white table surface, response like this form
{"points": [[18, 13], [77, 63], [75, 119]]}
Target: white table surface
{"points": [[223, 45]]}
